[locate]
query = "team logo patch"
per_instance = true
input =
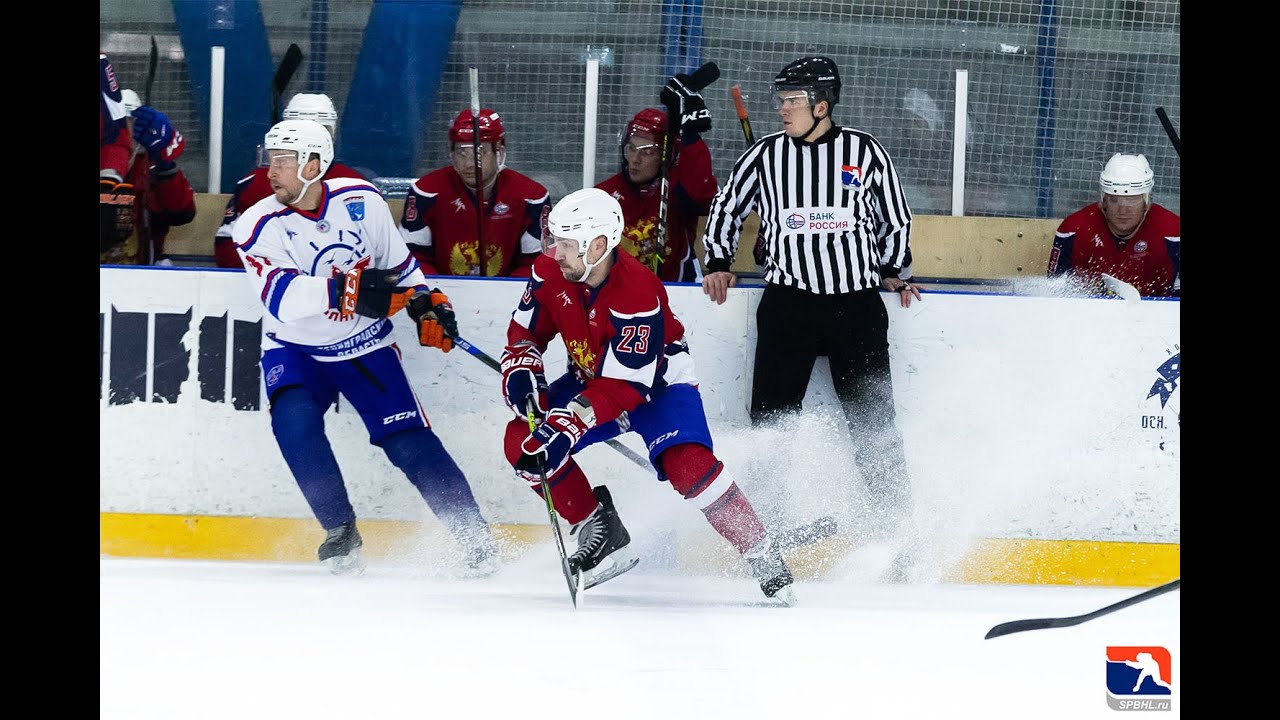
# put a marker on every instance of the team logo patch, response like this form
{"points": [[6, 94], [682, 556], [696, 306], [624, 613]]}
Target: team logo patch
{"points": [[795, 222], [273, 376], [355, 208], [1139, 678], [851, 176], [501, 208], [1140, 246], [323, 226]]}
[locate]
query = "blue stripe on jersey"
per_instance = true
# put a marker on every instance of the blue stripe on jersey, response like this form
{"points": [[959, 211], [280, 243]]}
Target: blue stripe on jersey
{"points": [[354, 188], [262, 222], [274, 288]]}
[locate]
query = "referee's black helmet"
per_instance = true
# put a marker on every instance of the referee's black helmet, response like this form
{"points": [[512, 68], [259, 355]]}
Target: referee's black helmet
{"points": [[815, 73]]}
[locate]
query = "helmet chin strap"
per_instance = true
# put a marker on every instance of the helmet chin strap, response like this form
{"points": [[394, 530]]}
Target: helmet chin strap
{"points": [[588, 267], [306, 185]]}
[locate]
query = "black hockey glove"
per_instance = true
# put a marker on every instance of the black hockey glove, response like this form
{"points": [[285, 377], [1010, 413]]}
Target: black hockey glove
{"points": [[369, 292], [686, 105]]}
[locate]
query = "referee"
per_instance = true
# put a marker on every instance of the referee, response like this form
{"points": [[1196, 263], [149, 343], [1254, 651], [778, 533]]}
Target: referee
{"points": [[836, 229]]}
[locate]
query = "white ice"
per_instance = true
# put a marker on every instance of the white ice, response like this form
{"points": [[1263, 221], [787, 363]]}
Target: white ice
{"points": [[191, 639]]}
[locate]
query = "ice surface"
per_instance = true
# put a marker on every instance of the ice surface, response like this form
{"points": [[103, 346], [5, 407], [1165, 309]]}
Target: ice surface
{"points": [[190, 639]]}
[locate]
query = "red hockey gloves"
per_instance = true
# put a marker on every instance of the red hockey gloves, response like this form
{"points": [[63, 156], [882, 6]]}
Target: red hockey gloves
{"points": [[115, 213], [523, 376], [369, 292], [437, 324], [549, 446], [686, 105]]}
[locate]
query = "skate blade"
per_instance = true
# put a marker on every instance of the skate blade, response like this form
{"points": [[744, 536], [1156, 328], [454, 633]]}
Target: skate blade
{"points": [[350, 564], [619, 562], [786, 597]]}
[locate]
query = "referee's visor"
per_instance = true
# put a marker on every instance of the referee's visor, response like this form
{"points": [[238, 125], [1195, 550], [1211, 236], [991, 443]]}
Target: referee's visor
{"points": [[791, 97]]}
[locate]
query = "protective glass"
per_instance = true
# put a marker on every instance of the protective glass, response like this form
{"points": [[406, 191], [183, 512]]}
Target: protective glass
{"points": [[462, 153], [790, 98], [278, 158], [1124, 201], [639, 149], [550, 242]]}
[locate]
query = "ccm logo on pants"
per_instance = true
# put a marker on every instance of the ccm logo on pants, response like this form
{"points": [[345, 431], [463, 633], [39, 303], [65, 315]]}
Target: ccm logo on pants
{"points": [[399, 416]]}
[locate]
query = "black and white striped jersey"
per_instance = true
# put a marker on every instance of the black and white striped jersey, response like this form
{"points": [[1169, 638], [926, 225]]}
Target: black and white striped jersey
{"points": [[832, 212]]}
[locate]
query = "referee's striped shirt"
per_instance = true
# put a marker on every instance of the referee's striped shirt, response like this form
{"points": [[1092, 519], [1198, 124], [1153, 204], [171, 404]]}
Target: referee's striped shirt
{"points": [[832, 212]]}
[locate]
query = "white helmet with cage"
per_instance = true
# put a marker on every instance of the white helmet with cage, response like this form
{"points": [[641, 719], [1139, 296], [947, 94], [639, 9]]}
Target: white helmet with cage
{"points": [[312, 106], [582, 216], [130, 100], [305, 138], [1127, 175]]}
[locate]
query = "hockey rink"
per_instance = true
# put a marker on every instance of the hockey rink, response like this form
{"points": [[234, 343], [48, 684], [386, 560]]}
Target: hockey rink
{"points": [[203, 639]]}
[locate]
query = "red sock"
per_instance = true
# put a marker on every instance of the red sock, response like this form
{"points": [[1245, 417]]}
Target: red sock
{"points": [[571, 493], [696, 474]]}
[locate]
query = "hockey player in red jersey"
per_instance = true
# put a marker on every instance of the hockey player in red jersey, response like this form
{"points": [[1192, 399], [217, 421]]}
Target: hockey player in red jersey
{"points": [[630, 370], [115, 194], [1123, 235], [638, 188], [255, 186], [163, 196], [439, 217]]}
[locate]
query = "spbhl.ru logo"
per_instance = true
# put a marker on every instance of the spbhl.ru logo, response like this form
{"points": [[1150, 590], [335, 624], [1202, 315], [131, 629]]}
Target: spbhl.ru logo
{"points": [[1139, 678]]}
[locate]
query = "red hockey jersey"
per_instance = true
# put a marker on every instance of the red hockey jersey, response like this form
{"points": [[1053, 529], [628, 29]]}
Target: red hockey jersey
{"points": [[1149, 259]]}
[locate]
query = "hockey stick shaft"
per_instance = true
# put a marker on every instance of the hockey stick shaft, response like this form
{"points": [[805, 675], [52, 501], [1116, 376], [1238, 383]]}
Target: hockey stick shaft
{"points": [[475, 152], [1168, 130], [741, 107], [480, 355], [545, 487], [151, 72], [1045, 623], [288, 66]]}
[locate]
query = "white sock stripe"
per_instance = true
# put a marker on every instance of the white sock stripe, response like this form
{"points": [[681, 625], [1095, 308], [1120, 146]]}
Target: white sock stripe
{"points": [[714, 491]]}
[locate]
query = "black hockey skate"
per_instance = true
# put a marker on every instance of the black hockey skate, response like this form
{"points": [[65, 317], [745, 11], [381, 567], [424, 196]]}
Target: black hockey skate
{"points": [[341, 550], [603, 552], [771, 571]]}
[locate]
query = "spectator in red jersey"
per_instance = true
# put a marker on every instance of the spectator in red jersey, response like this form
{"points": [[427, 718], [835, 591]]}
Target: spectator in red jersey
{"points": [[115, 196], [163, 196], [1124, 235], [638, 188], [255, 186], [439, 220]]}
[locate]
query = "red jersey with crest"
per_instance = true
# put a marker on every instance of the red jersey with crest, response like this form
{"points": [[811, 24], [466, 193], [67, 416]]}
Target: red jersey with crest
{"points": [[693, 187], [113, 157], [439, 225], [249, 190], [1148, 260], [622, 338]]}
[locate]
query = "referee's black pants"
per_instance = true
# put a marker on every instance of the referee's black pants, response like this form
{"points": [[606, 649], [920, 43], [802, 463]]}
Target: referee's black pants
{"points": [[794, 327]]}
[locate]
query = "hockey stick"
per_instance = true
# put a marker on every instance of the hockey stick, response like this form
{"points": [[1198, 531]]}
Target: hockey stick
{"points": [[1044, 623], [757, 251], [288, 66], [575, 588], [480, 355], [702, 77], [1168, 130], [475, 151], [151, 72]]}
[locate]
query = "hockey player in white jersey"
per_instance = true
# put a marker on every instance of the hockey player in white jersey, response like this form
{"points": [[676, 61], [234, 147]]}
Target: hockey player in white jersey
{"points": [[330, 268]]}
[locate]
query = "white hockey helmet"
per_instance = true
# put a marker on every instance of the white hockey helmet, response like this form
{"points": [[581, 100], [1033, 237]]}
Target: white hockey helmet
{"points": [[584, 215], [1127, 175], [305, 137], [130, 100], [312, 106]]}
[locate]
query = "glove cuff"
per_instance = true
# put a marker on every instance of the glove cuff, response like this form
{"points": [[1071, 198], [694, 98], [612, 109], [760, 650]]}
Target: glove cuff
{"points": [[581, 407]]}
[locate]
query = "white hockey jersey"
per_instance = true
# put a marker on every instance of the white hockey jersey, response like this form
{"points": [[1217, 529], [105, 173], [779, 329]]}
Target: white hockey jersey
{"points": [[292, 256]]}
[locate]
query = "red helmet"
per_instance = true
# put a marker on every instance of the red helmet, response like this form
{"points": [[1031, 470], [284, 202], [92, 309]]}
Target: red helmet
{"points": [[491, 129], [648, 120]]}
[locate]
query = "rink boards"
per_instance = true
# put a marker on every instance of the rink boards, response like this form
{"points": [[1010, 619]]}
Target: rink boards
{"points": [[1041, 432]]}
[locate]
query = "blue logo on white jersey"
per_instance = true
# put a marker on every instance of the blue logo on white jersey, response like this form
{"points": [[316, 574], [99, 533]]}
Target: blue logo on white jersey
{"points": [[355, 208]]}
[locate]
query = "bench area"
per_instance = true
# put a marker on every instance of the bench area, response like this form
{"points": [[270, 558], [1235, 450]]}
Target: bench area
{"points": [[942, 246]]}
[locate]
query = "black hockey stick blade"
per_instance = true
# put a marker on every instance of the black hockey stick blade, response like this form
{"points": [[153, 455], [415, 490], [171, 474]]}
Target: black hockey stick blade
{"points": [[704, 76], [1045, 623], [1168, 130], [288, 66], [808, 533], [151, 72]]}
